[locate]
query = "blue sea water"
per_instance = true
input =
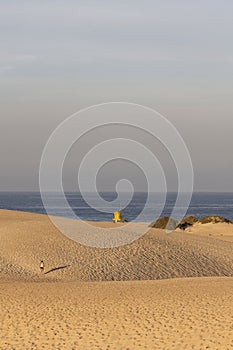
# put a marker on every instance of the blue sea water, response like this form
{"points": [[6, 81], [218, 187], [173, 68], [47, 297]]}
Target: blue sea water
{"points": [[201, 204]]}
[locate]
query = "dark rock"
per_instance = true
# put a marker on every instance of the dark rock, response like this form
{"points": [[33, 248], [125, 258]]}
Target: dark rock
{"points": [[187, 222], [184, 225], [191, 219], [165, 223]]}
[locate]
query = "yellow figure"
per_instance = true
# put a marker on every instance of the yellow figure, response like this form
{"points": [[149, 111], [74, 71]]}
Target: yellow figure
{"points": [[117, 217]]}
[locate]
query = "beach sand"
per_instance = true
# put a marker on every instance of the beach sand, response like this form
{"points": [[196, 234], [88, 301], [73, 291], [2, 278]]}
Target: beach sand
{"points": [[160, 292], [169, 314]]}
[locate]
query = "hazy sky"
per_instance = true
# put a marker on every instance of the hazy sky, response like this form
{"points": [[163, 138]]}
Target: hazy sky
{"points": [[59, 56]]}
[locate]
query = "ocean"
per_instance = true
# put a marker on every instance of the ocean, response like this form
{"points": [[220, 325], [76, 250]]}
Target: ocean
{"points": [[201, 204]]}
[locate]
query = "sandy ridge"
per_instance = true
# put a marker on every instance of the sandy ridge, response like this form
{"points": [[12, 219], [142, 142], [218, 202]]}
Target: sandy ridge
{"points": [[27, 238]]}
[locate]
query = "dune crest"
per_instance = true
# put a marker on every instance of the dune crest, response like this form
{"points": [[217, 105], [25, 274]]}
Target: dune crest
{"points": [[26, 238]]}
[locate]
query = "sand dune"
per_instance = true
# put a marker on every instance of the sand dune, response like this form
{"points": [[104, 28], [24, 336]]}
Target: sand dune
{"points": [[74, 306], [27, 238], [223, 231]]}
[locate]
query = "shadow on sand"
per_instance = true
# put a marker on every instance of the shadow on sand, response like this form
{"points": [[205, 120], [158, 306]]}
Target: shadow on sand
{"points": [[57, 268]]}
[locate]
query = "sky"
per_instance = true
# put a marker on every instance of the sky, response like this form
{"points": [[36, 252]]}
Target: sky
{"points": [[57, 57]]}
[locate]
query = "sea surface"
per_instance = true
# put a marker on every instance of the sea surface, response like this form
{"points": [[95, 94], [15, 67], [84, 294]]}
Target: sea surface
{"points": [[201, 204]]}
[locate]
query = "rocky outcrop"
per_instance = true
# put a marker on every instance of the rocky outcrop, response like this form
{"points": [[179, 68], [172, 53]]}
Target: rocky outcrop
{"points": [[165, 223], [214, 220], [187, 221]]}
